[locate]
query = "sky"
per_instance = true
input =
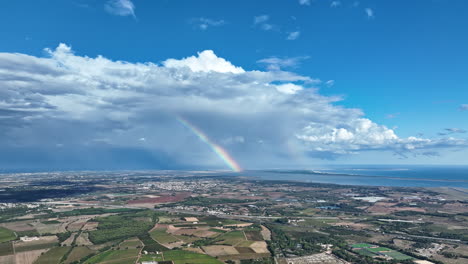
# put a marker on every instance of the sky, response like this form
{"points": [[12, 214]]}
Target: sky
{"points": [[210, 84]]}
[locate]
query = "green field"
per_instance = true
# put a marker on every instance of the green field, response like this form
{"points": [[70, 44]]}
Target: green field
{"points": [[217, 230], [214, 221], [397, 255], [378, 249], [6, 235], [78, 253], [365, 252], [182, 257], [231, 238], [52, 256], [130, 243], [34, 246], [115, 257], [162, 236]]}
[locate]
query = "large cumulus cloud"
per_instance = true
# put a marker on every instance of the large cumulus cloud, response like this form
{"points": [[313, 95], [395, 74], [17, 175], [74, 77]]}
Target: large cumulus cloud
{"points": [[75, 104]]}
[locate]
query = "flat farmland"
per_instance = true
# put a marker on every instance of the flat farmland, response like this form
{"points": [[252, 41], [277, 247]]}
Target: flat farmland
{"points": [[43, 243], [254, 235], [186, 257], [52, 256], [115, 257], [162, 199], [6, 248], [160, 235], [28, 257], [10, 259], [83, 240], [6, 235], [19, 225], [78, 253], [131, 243], [220, 250], [231, 238]]}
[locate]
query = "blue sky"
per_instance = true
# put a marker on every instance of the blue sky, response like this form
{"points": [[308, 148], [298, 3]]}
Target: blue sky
{"points": [[399, 64]]}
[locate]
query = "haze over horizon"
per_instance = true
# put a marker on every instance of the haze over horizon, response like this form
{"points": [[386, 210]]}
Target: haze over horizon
{"points": [[124, 84]]}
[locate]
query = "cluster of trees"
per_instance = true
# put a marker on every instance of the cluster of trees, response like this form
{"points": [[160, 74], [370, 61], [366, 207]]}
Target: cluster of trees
{"points": [[63, 236], [150, 244], [302, 243]]}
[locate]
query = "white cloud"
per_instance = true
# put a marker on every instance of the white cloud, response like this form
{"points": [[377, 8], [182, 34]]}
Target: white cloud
{"points": [[81, 101], [262, 22], [261, 19], [335, 4], [293, 35], [204, 23], [205, 62], [391, 116], [289, 88], [369, 12], [276, 63], [330, 83], [304, 2], [120, 7], [464, 107]]}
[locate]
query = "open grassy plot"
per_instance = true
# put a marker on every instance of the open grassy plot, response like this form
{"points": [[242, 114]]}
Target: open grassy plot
{"points": [[231, 238], [6, 235], [10, 259], [362, 245], [6, 249], [43, 243], [162, 236], [186, 257], [397, 255], [28, 256], [215, 221], [52, 256], [217, 230], [115, 257], [365, 252], [220, 250], [130, 243], [151, 257], [378, 249], [78, 253], [254, 235], [187, 239]]}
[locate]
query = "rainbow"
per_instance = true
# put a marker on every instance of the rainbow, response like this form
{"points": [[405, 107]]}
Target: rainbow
{"points": [[222, 153]]}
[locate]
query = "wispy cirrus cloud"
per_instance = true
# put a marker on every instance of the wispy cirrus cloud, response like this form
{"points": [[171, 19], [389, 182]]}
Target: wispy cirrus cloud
{"points": [[293, 35], [120, 7], [262, 22], [463, 107], [304, 2], [204, 23], [369, 12], [335, 4], [330, 83], [277, 63], [393, 115]]}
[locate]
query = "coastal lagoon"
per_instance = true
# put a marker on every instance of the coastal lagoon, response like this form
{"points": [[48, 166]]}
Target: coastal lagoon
{"points": [[401, 176]]}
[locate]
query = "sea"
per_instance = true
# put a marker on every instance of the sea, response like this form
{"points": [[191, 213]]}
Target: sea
{"points": [[375, 175]]}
